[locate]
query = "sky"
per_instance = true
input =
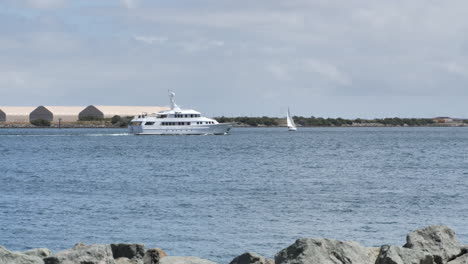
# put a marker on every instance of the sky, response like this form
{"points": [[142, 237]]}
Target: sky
{"points": [[329, 58]]}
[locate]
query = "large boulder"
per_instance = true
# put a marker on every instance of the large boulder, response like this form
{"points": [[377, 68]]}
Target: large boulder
{"points": [[440, 241], [38, 252], [153, 255], [81, 253], [251, 258], [398, 255], [324, 251], [130, 251], [184, 260], [9, 257]]}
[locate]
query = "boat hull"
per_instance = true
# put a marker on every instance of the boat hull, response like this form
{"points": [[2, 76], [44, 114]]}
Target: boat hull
{"points": [[214, 129]]}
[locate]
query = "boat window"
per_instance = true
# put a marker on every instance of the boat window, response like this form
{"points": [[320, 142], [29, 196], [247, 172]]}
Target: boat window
{"points": [[149, 123]]}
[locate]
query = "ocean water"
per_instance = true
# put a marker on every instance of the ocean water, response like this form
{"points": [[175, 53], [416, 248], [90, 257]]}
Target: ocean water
{"points": [[257, 189]]}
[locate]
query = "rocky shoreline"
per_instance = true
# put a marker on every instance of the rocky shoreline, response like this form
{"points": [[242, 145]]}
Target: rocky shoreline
{"points": [[429, 245]]}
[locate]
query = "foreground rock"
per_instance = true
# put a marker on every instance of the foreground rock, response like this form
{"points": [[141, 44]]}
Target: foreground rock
{"points": [[9, 257], [440, 241], [83, 254], [184, 260], [38, 252], [324, 251], [251, 258], [398, 255], [127, 261], [460, 260], [153, 255], [130, 251], [429, 245]]}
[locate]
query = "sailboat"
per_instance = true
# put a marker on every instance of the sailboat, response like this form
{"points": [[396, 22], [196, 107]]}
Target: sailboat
{"points": [[291, 125]]}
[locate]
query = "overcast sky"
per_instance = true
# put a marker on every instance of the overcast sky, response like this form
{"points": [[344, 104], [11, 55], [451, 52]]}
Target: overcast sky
{"points": [[347, 58]]}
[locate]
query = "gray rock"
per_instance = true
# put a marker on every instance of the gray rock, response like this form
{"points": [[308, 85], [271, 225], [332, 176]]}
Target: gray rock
{"points": [[398, 255], [323, 251], [153, 255], [128, 261], [83, 254], [130, 251], [251, 258], [460, 260], [38, 252], [373, 253], [9, 257], [184, 260], [440, 241]]}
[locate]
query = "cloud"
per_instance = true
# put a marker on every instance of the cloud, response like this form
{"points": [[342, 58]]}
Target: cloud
{"points": [[213, 47], [151, 40], [130, 4], [300, 70], [233, 19], [326, 70], [47, 4], [12, 78], [456, 68], [198, 45], [280, 72]]}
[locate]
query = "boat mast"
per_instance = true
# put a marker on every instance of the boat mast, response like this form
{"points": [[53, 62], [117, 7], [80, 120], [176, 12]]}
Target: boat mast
{"points": [[174, 106]]}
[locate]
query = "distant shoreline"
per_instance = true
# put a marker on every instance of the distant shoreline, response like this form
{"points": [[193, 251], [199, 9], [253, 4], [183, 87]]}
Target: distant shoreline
{"points": [[264, 121], [79, 126]]}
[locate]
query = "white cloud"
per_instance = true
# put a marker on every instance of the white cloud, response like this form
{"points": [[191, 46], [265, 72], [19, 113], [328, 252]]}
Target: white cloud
{"points": [[12, 78], [280, 72], [326, 70], [199, 45], [47, 4], [456, 68], [233, 19], [130, 4], [151, 40], [217, 43]]}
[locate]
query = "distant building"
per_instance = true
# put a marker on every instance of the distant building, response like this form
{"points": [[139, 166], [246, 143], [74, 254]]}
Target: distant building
{"points": [[15, 114], [442, 119], [56, 113], [100, 111]]}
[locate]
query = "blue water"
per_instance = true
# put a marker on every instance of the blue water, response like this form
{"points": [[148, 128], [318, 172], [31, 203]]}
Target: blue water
{"points": [[218, 196]]}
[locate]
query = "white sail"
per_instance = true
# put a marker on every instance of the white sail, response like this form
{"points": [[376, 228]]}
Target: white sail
{"points": [[290, 121]]}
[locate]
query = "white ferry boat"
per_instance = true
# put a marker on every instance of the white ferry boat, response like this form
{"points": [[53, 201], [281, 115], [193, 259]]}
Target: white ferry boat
{"points": [[176, 121]]}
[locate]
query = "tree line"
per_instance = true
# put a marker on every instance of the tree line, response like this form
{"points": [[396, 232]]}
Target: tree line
{"points": [[327, 122]]}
